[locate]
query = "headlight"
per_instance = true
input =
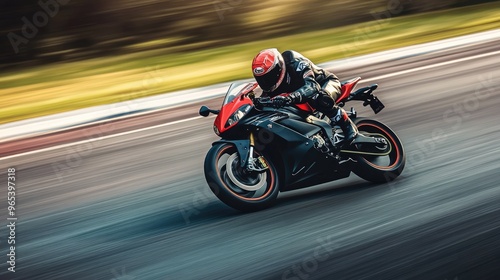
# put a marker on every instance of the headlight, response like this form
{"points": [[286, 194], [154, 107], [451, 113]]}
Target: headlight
{"points": [[236, 116], [216, 130]]}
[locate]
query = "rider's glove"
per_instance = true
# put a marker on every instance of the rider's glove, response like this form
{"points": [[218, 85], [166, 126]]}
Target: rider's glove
{"points": [[280, 101], [295, 97]]}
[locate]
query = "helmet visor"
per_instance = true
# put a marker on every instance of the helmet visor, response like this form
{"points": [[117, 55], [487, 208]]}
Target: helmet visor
{"points": [[271, 80]]}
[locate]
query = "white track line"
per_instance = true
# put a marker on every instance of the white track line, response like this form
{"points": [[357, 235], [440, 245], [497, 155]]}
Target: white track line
{"points": [[198, 117], [430, 66], [99, 138]]}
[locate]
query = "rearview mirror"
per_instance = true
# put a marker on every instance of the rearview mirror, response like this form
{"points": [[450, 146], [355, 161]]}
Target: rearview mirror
{"points": [[204, 111]]}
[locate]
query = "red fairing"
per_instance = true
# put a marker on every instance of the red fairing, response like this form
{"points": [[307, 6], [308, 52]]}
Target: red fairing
{"points": [[228, 109], [305, 107], [347, 88]]}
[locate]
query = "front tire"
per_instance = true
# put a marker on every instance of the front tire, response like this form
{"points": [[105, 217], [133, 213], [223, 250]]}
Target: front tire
{"points": [[236, 187], [380, 169]]}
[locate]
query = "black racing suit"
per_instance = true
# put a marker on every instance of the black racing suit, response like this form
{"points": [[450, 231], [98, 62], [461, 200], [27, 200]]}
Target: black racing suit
{"points": [[307, 82]]}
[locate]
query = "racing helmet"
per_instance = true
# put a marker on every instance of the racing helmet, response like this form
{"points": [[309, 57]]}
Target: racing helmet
{"points": [[268, 69]]}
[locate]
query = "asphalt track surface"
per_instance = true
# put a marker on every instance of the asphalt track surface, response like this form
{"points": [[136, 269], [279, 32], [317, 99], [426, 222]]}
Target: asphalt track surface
{"points": [[131, 201]]}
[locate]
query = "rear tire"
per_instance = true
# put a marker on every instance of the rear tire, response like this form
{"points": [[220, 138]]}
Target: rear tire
{"points": [[368, 167], [235, 187]]}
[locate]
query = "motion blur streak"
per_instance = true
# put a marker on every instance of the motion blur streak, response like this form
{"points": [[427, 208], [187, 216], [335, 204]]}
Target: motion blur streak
{"points": [[100, 138], [431, 66], [138, 203]]}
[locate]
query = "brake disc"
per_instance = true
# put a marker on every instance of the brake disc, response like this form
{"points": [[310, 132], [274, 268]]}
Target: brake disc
{"points": [[229, 169]]}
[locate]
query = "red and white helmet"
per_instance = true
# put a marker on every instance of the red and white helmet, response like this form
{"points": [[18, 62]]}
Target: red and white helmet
{"points": [[268, 68]]}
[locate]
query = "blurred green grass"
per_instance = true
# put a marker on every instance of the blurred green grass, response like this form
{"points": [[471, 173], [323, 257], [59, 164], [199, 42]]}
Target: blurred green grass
{"points": [[73, 85]]}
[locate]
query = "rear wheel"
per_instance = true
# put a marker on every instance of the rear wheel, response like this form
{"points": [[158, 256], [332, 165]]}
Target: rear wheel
{"points": [[380, 169], [235, 186]]}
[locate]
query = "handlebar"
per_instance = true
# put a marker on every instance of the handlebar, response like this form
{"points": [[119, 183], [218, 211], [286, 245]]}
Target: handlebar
{"points": [[263, 101]]}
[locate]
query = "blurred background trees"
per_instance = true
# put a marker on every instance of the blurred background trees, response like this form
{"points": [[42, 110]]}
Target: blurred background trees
{"points": [[91, 28]]}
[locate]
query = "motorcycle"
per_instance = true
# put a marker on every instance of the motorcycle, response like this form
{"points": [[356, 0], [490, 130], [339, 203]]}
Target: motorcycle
{"points": [[265, 150]]}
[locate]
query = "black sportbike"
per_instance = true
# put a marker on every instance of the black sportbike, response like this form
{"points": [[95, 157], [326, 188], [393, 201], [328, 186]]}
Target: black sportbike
{"points": [[264, 150]]}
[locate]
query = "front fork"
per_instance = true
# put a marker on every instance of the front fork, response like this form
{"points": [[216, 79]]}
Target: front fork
{"points": [[255, 164]]}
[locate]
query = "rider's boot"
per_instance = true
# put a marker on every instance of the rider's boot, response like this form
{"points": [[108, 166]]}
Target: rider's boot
{"points": [[345, 123]]}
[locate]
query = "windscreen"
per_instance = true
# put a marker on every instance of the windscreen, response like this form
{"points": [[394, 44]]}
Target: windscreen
{"points": [[236, 89]]}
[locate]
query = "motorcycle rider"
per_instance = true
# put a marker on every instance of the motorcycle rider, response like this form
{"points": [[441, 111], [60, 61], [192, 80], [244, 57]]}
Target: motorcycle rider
{"points": [[290, 72]]}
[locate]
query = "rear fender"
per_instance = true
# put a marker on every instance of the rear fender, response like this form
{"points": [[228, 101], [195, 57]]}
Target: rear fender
{"points": [[366, 94]]}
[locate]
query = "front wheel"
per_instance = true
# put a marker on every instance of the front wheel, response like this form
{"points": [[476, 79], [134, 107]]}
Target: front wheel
{"points": [[380, 169], [235, 186]]}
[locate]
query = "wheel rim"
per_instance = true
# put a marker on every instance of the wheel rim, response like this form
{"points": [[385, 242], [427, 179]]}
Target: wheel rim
{"points": [[240, 182], [389, 161], [249, 181]]}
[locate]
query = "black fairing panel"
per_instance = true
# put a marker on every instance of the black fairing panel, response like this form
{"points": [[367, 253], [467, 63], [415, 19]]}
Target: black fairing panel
{"points": [[285, 138], [301, 127], [301, 163]]}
